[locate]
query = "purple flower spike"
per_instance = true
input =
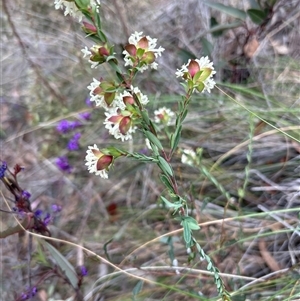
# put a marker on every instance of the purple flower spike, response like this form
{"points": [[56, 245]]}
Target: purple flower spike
{"points": [[63, 164]]}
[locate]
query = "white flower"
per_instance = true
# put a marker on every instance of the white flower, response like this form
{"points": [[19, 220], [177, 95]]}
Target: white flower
{"points": [[92, 160], [119, 100], [147, 141], [58, 4], [97, 98], [134, 39], [175, 264], [203, 62], [164, 116], [188, 157], [114, 127], [94, 65], [86, 52]]}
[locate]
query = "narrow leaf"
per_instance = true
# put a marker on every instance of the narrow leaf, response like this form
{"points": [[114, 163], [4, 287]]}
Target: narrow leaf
{"points": [[186, 232], [164, 165], [175, 138], [219, 28], [229, 10], [166, 181], [257, 16], [207, 47], [138, 287], [153, 139], [63, 263]]}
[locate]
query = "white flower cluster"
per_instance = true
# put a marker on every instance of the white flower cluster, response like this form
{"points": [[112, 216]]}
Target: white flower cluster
{"points": [[134, 39], [188, 157], [71, 8], [164, 116], [87, 52], [203, 62]]}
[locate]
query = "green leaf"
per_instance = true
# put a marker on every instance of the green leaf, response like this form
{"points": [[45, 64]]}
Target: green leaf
{"points": [[186, 232], [257, 16], [166, 181], [176, 205], [165, 166], [229, 10], [175, 138], [207, 47], [192, 223], [138, 287], [63, 263], [209, 266], [152, 138], [214, 23], [219, 28]]}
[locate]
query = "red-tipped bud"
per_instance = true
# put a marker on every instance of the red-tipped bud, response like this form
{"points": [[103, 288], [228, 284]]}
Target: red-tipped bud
{"points": [[125, 125], [131, 49], [193, 68], [143, 43]]}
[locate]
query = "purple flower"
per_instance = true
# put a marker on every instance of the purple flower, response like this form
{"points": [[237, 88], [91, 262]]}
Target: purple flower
{"points": [[74, 124], [47, 219], [63, 163], [65, 126], [3, 168], [30, 293], [38, 213], [88, 102], [85, 115], [56, 208], [26, 194], [83, 270], [73, 143], [24, 296]]}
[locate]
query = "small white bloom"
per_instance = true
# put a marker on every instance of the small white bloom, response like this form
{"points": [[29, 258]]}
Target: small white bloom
{"points": [[188, 157], [164, 116], [97, 98], [94, 65], [91, 162], [59, 4], [175, 264], [86, 52], [147, 141], [118, 102]]}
